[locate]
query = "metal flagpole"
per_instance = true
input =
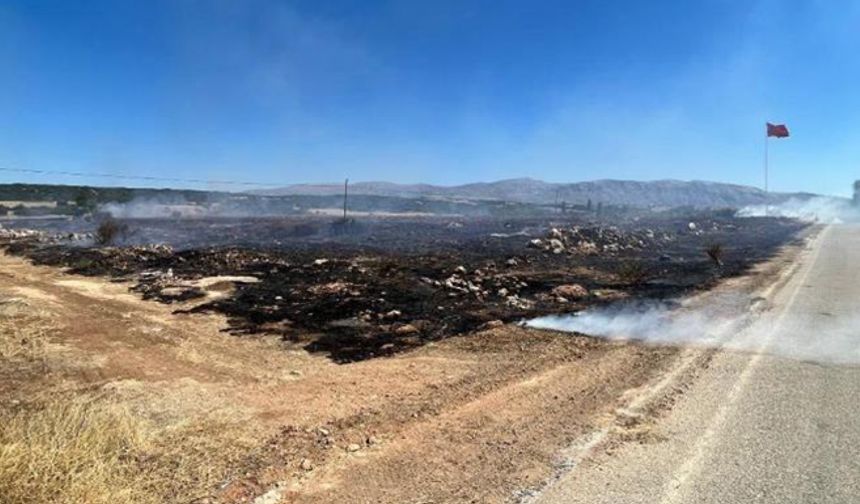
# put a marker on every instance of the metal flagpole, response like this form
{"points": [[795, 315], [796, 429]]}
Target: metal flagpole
{"points": [[766, 202]]}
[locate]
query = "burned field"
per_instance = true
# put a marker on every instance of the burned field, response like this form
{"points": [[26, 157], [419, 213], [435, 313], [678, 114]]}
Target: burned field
{"points": [[370, 288]]}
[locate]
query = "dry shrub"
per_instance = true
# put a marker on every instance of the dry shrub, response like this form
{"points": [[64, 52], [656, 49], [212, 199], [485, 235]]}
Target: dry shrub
{"points": [[109, 231], [71, 451], [715, 252]]}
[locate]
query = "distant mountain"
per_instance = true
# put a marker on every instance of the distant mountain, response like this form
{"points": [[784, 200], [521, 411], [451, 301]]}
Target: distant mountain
{"points": [[658, 193]]}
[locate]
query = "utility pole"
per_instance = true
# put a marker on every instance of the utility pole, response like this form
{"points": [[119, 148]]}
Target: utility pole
{"points": [[345, 194]]}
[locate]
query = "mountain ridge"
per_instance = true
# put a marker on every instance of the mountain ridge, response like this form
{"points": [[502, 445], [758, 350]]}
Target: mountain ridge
{"points": [[664, 192]]}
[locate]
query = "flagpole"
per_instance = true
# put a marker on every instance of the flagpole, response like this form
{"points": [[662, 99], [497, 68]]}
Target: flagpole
{"points": [[766, 202]]}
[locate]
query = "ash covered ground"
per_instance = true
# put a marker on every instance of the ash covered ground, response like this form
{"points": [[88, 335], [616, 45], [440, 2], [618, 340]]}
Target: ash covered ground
{"points": [[372, 286]]}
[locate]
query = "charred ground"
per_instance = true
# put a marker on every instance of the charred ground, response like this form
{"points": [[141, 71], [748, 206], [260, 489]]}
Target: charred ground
{"points": [[374, 287]]}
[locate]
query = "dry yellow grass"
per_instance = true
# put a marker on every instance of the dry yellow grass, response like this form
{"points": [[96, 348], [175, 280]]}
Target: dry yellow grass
{"points": [[70, 444], [88, 449], [63, 449], [72, 451], [24, 331]]}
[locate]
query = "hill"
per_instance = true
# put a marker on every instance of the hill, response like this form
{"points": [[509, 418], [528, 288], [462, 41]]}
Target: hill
{"points": [[658, 193]]}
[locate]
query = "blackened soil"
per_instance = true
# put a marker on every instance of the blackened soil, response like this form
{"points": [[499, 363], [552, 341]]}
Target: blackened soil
{"points": [[359, 298]]}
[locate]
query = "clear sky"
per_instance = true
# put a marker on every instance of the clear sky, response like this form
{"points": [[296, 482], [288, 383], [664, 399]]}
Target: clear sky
{"points": [[436, 91]]}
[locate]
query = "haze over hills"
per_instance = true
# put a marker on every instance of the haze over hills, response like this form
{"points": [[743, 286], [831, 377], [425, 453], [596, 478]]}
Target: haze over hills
{"points": [[670, 193]]}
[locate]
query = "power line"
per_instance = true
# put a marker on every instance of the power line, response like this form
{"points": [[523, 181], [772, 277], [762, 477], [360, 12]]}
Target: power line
{"points": [[138, 177]]}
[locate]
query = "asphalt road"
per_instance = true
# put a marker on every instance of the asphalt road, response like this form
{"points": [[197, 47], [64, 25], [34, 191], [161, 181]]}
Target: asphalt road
{"points": [[776, 421]]}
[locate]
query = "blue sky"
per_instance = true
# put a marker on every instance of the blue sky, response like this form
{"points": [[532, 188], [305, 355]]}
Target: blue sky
{"points": [[442, 92]]}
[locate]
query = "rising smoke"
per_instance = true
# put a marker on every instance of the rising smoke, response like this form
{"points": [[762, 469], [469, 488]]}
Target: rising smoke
{"points": [[175, 206], [731, 322], [654, 322], [820, 209]]}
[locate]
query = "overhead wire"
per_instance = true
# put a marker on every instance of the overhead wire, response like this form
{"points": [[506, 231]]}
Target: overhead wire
{"points": [[138, 177]]}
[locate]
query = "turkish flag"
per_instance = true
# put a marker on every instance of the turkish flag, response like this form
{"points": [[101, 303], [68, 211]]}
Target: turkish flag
{"points": [[777, 130]]}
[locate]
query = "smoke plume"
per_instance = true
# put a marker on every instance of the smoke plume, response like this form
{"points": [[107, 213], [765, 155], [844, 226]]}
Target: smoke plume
{"points": [[731, 322], [818, 209]]}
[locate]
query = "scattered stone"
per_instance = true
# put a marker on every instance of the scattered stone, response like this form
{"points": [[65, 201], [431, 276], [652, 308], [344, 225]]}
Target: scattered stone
{"points": [[273, 496], [328, 288], [589, 240], [515, 301], [306, 465], [352, 447], [570, 291], [405, 329], [492, 324]]}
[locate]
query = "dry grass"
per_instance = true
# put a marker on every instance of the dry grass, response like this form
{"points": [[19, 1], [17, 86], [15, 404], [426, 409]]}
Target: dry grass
{"points": [[62, 449], [24, 332], [66, 442], [72, 451], [87, 449]]}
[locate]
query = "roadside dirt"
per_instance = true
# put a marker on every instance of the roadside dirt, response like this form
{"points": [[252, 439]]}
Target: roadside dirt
{"points": [[469, 419]]}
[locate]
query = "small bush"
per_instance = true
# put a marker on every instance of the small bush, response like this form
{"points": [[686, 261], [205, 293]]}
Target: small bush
{"points": [[715, 252], [109, 231]]}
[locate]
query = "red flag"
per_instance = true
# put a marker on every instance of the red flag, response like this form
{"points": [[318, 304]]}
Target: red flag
{"points": [[777, 130]]}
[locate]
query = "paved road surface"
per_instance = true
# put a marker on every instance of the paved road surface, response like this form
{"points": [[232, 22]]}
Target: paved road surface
{"points": [[780, 425]]}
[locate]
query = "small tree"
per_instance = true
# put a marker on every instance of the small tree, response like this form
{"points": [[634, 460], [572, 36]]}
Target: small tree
{"points": [[85, 201]]}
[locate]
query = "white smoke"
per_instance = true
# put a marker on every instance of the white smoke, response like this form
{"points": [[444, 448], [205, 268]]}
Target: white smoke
{"points": [[733, 323], [178, 207], [821, 209], [145, 208], [653, 322]]}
